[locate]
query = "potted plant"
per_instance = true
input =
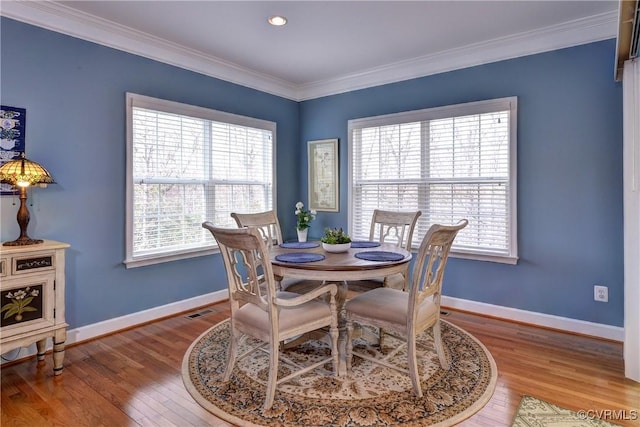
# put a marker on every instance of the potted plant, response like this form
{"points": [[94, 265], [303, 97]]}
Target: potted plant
{"points": [[335, 240], [303, 221]]}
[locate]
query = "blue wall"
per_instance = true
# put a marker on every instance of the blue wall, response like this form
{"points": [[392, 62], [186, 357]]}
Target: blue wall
{"points": [[570, 232], [74, 93], [569, 188]]}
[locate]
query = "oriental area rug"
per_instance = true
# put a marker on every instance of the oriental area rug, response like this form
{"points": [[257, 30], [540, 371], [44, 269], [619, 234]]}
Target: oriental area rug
{"points": [[538, 413], [371, 395]]}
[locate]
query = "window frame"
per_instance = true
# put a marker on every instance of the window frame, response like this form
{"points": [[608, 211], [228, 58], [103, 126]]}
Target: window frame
{"points": [[141, 101], [449, 111]]}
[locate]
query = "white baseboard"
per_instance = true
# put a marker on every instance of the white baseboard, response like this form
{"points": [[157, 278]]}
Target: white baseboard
{"points": [[95, 330], [566, 324]]}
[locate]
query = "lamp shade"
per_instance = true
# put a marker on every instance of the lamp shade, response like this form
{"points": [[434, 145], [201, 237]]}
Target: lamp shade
{"points": [[23, 172]]}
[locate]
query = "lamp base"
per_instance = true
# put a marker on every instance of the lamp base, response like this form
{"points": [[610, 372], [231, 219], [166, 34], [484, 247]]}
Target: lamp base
{"points": [[23, 222], [23, 241]]}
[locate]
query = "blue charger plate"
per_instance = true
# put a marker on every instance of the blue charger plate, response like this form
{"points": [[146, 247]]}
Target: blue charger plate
{"points": [[364, 244], [380, 256], [300, 245], [299, 257]]}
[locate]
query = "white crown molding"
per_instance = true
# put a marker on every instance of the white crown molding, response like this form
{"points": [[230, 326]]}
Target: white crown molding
{"points": [[573, 33], [63, 19]]}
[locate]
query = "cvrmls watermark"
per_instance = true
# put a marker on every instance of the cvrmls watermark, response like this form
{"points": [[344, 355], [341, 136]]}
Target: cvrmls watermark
{"points": [[608, 414]]}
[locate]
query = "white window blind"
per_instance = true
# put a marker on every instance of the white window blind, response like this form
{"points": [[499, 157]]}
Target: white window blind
{"points": [[186, 165], [451, 163]]}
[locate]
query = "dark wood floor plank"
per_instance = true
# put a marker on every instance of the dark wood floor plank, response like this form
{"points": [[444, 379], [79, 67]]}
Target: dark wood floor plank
{"points": [[103, 382]]}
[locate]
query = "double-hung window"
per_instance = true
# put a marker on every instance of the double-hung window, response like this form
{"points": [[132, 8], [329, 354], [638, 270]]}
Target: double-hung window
{"points": [[187, 165], [449, 162]]}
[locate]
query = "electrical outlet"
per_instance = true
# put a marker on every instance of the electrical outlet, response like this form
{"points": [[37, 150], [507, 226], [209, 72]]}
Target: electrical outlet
{"points": [[600, 293]]}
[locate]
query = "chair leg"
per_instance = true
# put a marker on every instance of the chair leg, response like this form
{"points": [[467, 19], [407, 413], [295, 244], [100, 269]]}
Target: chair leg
{"points": [[437, 339], [349, 345], [334, 333], [413, 365], [233, 353], [273, 374]]}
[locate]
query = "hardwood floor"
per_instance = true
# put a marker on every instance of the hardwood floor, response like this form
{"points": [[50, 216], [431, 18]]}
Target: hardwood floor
{"points": [[133, 378]]}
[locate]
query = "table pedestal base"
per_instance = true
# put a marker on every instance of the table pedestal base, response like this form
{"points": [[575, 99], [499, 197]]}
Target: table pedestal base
{"points": [[323, 334]]}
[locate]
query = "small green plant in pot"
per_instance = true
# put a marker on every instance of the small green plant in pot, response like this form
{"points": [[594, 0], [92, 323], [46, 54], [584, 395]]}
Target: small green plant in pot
{"points": [[335, 240]]}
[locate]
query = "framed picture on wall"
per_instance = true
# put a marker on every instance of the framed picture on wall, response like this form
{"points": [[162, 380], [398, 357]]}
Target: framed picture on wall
{"points": [[12, 126], [324, 185]]}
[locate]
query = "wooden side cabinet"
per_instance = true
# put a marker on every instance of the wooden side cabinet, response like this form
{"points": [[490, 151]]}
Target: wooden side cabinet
{"points": [[32, 298]]}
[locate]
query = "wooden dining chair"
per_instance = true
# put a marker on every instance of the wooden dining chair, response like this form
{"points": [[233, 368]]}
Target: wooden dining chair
{"points": [[269, 227], [273, 316], [266, 222], [389, 227], [407, 313]]}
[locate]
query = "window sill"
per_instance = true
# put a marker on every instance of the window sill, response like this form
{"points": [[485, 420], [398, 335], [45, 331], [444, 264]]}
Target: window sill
{"points": [[502, 259], [167, 257]]}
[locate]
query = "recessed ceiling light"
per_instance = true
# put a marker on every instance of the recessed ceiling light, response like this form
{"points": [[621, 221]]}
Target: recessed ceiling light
{"points": [[277, 20]]}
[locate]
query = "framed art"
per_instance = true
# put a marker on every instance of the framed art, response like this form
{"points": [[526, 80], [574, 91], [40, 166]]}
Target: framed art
{"points": [[12, 127], [323, 175]]}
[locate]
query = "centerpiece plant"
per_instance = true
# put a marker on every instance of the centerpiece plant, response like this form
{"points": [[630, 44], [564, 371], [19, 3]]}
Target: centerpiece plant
{"points": [[335, 240], [335, 236]]}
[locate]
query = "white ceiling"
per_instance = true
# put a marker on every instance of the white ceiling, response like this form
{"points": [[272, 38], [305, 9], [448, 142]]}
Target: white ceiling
{"points": [[329, 46]]}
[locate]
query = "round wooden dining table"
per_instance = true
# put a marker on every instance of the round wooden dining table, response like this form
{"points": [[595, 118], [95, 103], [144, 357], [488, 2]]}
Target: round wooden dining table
{"points": [[340, 267]]}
